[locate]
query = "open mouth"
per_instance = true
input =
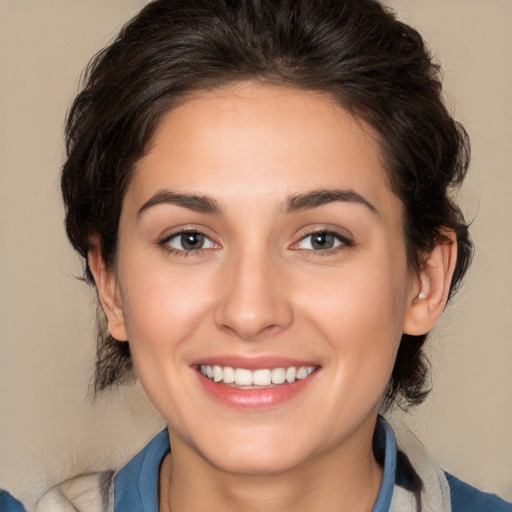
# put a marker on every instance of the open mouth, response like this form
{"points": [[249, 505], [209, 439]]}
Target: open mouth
{"points": [[244, 378]]}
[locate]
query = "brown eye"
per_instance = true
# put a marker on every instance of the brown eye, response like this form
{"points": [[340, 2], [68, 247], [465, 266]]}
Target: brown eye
{"points": [[192, 241], [189, 241], [322, 241]]}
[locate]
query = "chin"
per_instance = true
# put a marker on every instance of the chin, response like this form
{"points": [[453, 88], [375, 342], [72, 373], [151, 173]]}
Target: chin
{"points": [[259, 451], [256, 463]]}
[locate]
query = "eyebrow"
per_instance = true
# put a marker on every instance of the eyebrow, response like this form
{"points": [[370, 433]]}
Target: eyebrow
{"points": [[320, 197], [298, 202], [197, 203]]}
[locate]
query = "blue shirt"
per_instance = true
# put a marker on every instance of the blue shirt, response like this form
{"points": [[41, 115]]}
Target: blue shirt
{"points": [[9, 504], [136, 484]]}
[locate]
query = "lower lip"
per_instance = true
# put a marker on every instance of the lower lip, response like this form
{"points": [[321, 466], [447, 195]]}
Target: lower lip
{"points": [[264, 398]]}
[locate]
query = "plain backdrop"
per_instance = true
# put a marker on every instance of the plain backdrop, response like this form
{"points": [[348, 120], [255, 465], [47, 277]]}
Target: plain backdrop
{"points": [[50, 429]]}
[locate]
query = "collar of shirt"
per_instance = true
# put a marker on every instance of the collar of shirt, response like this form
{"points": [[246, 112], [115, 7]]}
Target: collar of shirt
{"points": [[136, 484]]}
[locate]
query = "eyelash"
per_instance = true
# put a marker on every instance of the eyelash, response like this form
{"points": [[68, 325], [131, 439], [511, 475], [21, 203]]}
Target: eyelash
{"points": [[184, 252], [342, 243]]}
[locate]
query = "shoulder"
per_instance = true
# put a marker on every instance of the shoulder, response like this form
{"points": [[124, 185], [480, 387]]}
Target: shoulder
{"points": [[87, 493], [9, 504], [465, 498], [132, 488], [136, 484], [439, 490]]}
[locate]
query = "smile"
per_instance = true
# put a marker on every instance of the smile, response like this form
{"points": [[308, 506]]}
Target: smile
{"points": [[251, 379]]}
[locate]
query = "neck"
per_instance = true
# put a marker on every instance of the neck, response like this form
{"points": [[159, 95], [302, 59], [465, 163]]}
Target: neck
{"points": [[347, 478]]}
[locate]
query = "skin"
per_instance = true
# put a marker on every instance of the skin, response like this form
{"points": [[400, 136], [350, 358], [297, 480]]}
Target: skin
{"points": [[258, 288]]}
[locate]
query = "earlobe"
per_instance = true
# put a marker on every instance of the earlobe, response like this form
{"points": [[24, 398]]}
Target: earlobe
{"points": [[428, 298], [108, 291]]}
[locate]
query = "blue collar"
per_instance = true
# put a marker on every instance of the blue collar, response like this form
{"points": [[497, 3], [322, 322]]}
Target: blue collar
{"points": [[384, 447]]}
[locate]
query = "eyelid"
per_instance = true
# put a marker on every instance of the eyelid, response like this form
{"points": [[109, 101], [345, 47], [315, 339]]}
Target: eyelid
{"points": [[164, 241], [344, 241]]}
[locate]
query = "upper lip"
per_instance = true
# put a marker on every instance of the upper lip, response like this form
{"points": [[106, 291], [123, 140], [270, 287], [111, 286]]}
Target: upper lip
{"points": [[254, 362]]}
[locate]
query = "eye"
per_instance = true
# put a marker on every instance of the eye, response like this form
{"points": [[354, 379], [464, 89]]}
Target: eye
{"points": [[322, 241], [187, 241]]}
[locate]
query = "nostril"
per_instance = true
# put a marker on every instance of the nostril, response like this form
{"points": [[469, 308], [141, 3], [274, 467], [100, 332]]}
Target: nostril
{"points": [[254, 333]]}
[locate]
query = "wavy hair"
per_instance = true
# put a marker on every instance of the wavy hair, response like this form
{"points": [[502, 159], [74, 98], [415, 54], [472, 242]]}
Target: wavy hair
{"points": [[372, 64]]}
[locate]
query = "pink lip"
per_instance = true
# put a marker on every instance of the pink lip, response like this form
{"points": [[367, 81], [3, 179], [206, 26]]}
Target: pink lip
{"points": [[254, 399]]}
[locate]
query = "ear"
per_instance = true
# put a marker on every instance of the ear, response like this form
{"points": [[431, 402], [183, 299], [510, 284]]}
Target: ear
{"points": [[108, 291], [430, 292]]}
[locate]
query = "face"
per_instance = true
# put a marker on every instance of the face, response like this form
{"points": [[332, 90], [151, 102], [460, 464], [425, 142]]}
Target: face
{"points": [[261, 277]]}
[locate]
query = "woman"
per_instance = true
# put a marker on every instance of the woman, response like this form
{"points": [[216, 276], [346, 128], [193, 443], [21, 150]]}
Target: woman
{"points": [[261, 194]]}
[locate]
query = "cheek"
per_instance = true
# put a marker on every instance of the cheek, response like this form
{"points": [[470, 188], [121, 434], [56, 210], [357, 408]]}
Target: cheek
{"points": [[359, 310], [161, 307], [163, 311], [357, 300]]}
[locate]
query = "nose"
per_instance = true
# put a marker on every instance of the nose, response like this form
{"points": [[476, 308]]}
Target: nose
{"points": [[253, 300]]}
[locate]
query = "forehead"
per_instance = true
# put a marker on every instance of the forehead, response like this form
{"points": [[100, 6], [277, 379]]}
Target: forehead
{"points": [[259, 137]]}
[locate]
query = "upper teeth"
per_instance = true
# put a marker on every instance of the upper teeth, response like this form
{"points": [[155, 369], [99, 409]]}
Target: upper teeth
{"points": [[263, 377]]}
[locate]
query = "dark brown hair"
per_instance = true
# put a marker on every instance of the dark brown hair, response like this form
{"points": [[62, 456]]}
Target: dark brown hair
{"points": [[357, 51]]}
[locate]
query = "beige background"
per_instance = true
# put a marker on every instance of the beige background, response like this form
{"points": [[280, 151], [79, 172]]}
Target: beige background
{"points": [[48, 427]]}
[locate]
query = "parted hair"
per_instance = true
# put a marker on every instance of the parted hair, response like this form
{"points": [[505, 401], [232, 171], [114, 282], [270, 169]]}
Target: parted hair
{"points": [[357, 51]]}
